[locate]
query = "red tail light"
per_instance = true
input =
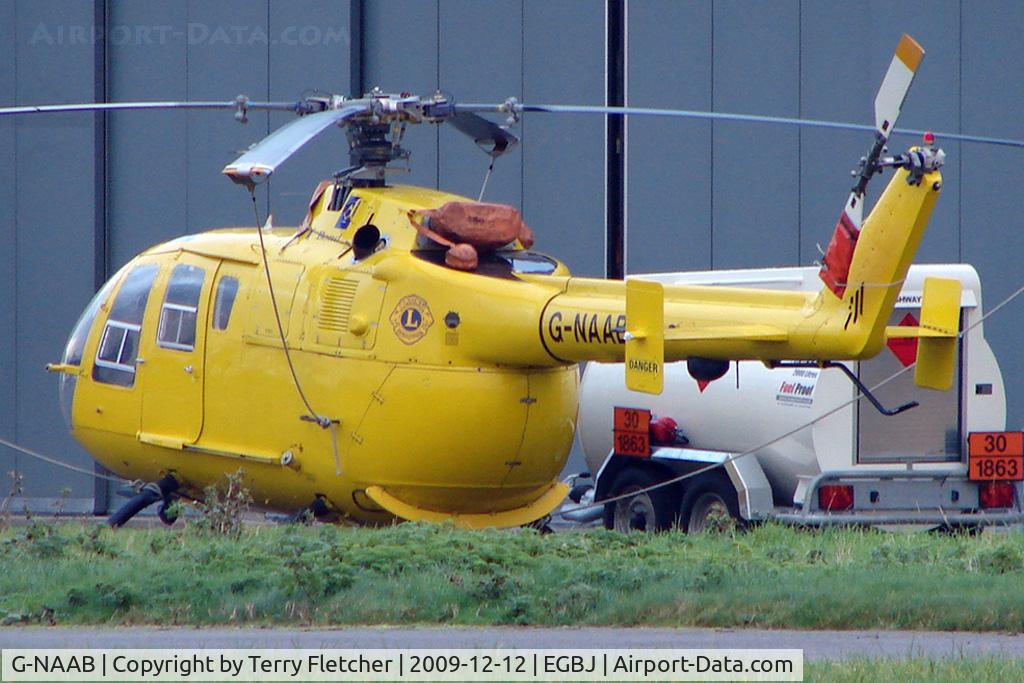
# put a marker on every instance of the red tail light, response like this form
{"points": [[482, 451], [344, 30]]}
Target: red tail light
{"points": [[996, 494], [835, 497]]}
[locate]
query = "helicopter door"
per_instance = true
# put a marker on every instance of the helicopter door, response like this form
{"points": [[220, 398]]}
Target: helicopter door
{"points": [[173, 356]]}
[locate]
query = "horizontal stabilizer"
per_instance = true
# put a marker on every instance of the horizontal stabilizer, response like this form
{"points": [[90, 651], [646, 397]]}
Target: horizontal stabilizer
{"points": [[940, 325], [645, 336]]}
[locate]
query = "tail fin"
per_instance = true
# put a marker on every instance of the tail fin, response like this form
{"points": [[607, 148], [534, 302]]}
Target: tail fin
{"points": [[936, 335], [645, 336], [940, 323], [864, 267], [856, 319]]}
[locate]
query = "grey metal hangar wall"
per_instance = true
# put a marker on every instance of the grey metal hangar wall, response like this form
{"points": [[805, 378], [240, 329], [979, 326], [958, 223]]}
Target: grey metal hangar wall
{"points": [[80, 194]]}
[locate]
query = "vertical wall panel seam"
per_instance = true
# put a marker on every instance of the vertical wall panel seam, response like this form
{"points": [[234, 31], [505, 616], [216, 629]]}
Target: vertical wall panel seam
{"points": [[604, 136], [17, 289], [624, 156], [615, 125], [100, 93], [522, 94], [356, 72], [799, 131], [711, 151], [266, 118], [960, 129], [188, 89], [437, 86], [101, 223]]}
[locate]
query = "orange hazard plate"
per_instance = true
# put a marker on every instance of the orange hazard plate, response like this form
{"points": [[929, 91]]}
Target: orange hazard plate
{"points": [[995, 456], [638, 445], [632, 432], [632, 420]]}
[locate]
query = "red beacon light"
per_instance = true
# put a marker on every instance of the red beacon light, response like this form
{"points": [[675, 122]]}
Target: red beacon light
{"points": [[929, 138]]}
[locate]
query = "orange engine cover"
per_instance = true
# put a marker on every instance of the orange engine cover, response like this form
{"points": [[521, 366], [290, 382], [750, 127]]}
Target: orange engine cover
{"points": [[485, 226]]}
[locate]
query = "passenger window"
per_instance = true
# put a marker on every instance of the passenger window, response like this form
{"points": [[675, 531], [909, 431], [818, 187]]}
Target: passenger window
{"points": [[119, 345], [227, 290], [177, 329]]}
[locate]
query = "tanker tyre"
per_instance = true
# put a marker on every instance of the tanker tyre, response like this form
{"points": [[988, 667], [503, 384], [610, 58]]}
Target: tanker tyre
{"points": [[710, 503], [654, 510]]}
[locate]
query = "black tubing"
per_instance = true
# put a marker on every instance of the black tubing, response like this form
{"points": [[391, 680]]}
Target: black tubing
{"points": [[150, 493]]}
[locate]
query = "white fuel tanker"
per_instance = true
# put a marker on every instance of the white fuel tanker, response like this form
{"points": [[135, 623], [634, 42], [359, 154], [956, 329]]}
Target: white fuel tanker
{"points": [[791, 443]]}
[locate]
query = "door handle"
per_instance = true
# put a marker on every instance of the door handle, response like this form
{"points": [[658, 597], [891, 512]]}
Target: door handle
{"points": [[188, 369]]}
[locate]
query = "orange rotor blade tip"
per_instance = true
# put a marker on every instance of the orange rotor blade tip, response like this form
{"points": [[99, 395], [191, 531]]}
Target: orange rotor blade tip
{"points": [[909, 52]]}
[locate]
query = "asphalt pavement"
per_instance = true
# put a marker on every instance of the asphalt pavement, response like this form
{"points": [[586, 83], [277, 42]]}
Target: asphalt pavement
{"points": [[817, 645]]}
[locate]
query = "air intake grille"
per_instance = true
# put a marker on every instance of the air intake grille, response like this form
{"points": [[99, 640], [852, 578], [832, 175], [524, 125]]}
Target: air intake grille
{"points": [[336, 304]]}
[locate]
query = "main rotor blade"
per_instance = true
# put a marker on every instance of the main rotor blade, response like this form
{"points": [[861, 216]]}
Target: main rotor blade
{"points": [[518, 108], [488, 135], [113, 106], [725, 116], [265, 156]]}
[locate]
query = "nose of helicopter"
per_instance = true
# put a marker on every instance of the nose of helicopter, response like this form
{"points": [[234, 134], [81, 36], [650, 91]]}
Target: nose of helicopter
{"points": [[74, 350], [66, 396]]}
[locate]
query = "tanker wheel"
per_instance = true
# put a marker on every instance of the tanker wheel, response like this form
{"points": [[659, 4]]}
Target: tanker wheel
{"points": [[653, 510], [710, 504]]}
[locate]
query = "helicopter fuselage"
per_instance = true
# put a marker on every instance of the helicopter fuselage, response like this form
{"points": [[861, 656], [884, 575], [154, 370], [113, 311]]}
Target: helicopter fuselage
{"points": [[370, 366], [389, 347], [409, 389]]}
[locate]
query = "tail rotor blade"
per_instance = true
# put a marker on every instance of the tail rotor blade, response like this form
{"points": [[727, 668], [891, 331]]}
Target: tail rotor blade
{"points": [[835, 265], [888, 104], [896, 84]]}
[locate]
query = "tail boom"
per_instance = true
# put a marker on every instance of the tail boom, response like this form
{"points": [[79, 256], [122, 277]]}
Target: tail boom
{"points": [[589, 320]]}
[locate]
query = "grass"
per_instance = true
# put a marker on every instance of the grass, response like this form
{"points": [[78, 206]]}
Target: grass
{"points": [[771, 576], [976, 670]]}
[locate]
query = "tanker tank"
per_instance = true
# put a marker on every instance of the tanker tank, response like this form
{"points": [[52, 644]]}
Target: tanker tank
{"points": [[751, 407]]}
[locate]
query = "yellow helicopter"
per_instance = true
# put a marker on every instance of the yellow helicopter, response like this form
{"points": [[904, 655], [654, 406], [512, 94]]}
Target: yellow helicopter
{"points": [[405, 354]]}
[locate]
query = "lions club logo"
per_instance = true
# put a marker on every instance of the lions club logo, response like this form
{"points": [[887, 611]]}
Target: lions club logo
{"points": [[411, 319]]}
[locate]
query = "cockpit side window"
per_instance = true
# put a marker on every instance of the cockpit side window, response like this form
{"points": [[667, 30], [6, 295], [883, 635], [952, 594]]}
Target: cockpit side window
{"points": [[224, 301], [119, 345], [75, 348], [177, 329]]}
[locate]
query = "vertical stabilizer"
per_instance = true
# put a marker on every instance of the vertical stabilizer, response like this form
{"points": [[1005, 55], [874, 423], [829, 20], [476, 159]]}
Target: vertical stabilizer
{"points": [[645, 336], [940, 325], [879, 263]]}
